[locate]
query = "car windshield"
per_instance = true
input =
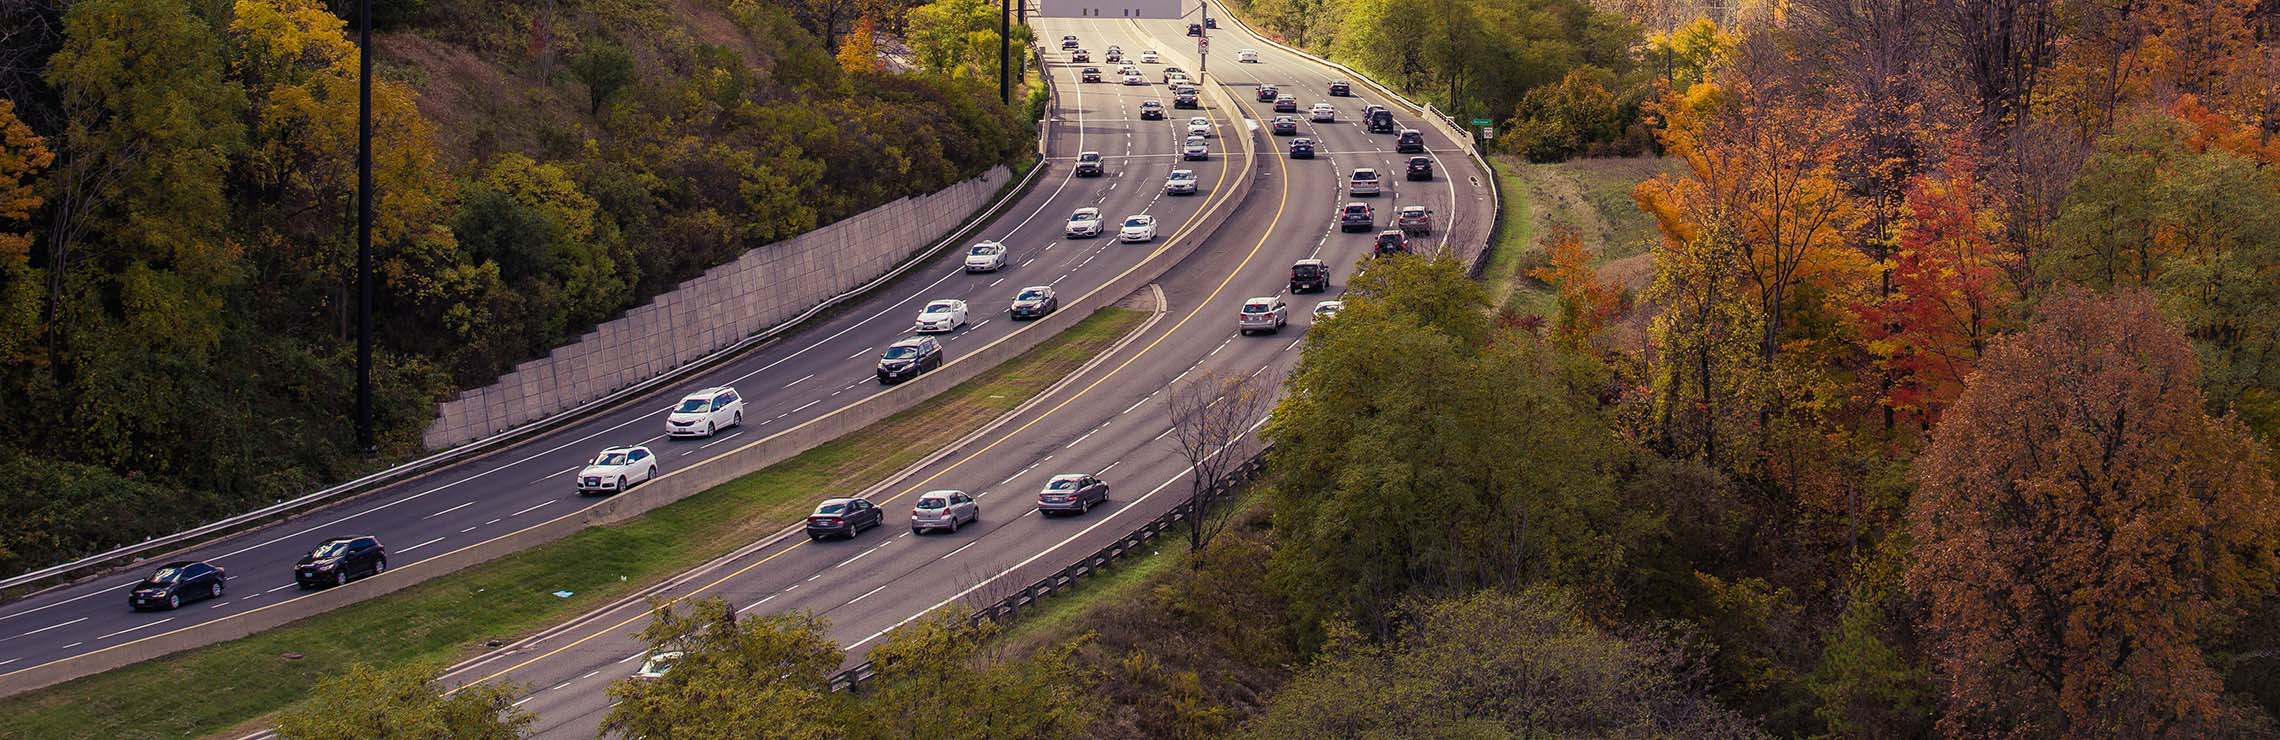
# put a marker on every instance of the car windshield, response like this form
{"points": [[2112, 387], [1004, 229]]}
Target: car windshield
{"points": [[693, 405], [1365, 175], [166, 575], [1305, 270], [331, 549], [1254, 308], [1089, 157], [830, 508], [933, 502], [901, 352], [1136, 221], [1030, 295], [940, 307], [611, 458], [1357, 210], [984, 250], [1183, 175], [1413, 213], [1061, 485], [1083, 216]]}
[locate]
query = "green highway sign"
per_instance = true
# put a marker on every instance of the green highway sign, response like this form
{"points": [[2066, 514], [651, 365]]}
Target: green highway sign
{"points": [[1482, 122]]}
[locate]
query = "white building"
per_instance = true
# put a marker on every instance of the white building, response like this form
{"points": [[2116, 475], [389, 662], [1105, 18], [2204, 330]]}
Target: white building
{"points": [[1157, 9]]}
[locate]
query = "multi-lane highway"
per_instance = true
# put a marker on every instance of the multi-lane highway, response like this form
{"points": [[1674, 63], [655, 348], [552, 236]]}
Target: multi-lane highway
{"points": [[1111, 421], [796, 379]]}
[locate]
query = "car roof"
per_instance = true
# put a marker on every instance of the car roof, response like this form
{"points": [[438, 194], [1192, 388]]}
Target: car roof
{"points": [[1177, 173], [179, 564], [1259, 300], [1070, 476], [911, 342], [1359, 170], [1308, 261], [1390, 232], [1089, 210], [943, 492], [830, 501], [1088, 154], [1407, 209], [621, 448], [1356, 204], [1046, 288], [708, 392]]}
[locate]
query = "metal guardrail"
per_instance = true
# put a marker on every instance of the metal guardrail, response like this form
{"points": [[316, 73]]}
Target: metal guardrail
{"points": [[128, 554], [1011, 607]]}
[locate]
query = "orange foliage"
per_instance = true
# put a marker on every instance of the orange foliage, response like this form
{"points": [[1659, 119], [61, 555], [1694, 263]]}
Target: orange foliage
{"points": [[1586, 303], [1949, 294], [2081, 524], [23, 154]]}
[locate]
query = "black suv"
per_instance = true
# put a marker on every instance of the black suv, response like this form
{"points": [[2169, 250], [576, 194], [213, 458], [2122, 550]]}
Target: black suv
{"points": [[1268, 93], [1080, 55], [1195, 29], [339, 559], [176, 584], [1089, 165], [1151, 111], [1392, 241], [1309, 276], [908, 358], [1356, 217], [1301, 148], [1420, 168], [1092, 74], [1340, 89], [1380, 121], [843, 517], [1411, 141], [1186, 99]]}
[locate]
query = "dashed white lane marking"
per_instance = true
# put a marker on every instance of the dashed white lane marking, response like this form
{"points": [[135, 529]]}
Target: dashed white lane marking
{"points": [[1025, 263], [978, 326], [867, 594], [420, 545], [216, 606], [280, 588], [723, 439], [1294, 344], [860, 353], [1111, 466], [519, 702], [801, 380], [589, 674], [747, 607], [573, 468], [804, 407], [456, 508], [73, 645], [993, 284], [1161, 436], [961, 548], [10, 660], [541, 505], [494, 521], [469, 529], [52, 626], [558, 687], [131, 629], [629, 658], [1135, 405]]}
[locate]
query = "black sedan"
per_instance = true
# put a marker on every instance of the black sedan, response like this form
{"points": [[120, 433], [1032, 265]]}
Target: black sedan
{"points": [[1301, 148], [1034, 302], [1268, 93], [176, 584], [843, 517], [1340, 89], [1286, 104], [1284, 126]]}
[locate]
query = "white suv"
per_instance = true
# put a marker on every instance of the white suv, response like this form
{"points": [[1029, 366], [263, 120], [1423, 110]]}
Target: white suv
{"points": [[704, 412], [1267, 314], [1364, 182]]}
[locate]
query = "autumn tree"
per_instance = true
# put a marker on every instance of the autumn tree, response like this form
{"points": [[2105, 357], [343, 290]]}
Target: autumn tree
{"points": [[1949, 296], [366, 703], [1586, 303], [23, 156], [860, 54], [2081, 524], [737, 677]]}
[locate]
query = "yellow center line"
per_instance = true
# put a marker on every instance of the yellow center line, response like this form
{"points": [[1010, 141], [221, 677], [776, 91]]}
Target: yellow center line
{"points": [[1282, 203]]}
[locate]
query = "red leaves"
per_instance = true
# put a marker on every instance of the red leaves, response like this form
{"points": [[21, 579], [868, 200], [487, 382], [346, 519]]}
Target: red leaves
{"points": [[1949, 295]]}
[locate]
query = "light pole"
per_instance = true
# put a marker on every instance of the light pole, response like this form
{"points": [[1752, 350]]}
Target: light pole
{"points": [[1005, 51], [364, 440]]}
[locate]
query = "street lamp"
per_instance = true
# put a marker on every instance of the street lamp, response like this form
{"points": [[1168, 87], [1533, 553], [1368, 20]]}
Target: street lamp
{"points": [[364, 437]]}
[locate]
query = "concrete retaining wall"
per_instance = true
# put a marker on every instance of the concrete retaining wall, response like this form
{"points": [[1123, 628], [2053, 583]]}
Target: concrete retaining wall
{"points": [[680, 483], [765, 286]]}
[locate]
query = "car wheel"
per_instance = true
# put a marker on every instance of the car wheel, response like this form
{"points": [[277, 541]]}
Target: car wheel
{"points": [[621, 484], [708, 429], [217, 590], [173, 601], [739, 420], [1083, 506], [953, 524], [340, 577], [379, 566], [920, 532]]}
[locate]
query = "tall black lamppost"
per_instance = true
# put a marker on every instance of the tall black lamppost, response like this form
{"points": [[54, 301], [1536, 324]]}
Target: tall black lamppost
{"points": [[1005, 51], [364, 439]]}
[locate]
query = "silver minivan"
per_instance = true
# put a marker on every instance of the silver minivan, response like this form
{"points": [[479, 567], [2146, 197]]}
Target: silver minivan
{"points": [[1364, 182]]}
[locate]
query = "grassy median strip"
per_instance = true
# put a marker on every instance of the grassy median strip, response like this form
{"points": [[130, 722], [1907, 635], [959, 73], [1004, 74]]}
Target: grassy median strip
{"points": [[1509, 258], [219, 687]]}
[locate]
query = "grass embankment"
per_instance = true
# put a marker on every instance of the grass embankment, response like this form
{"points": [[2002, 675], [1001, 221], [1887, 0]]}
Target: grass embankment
{"points": [[215, 688], [1591, 197]]}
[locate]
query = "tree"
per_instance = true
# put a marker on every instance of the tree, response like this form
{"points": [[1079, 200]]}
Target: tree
{"points": [[1213, 417], [1043, 695], [2081, 524], [1949, 296], [860, 54], [23, 156], [1555, 122], [366, 703], [1690, 53], [605, 68], [1586, 303], [764, 676], [1496, 664]]}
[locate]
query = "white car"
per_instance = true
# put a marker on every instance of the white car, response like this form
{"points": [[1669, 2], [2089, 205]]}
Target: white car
{"points": [[1084, 223], [1199, 126], [1178, 78], [1327, 309], [1195, 149], [1182, 182], [1148, 56], [704, 412], [1267, 314], [617, 469], [1322, 113], [657, 665], [1247, 56], [1134, 78], [1141, 228], [1364, 182], [942, 315], [985, 257]]}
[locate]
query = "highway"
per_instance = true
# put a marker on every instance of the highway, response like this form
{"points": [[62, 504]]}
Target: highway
{"points": [[1111, 421], [797, 378]]}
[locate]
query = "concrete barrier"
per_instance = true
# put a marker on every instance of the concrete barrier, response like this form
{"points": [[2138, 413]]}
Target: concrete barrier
{"points": [[684, 482]]}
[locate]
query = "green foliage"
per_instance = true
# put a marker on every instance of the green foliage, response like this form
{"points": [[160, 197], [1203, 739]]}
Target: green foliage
{"points": [[365, 703], [1866, 686], [1496, 664], [1418, 450], [959, 38], [605, 68], [1043, 695], [1689, 54], [758, 676], [1579, 115]]}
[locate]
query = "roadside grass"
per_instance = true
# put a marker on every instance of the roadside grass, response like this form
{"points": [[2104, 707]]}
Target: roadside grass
{"points": [[1592, 198], [232, 684], [1053, 619], [1515, 251]]}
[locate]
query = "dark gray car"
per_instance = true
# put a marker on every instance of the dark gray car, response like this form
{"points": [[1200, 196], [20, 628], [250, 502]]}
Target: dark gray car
{"points": [[1071, 492]]}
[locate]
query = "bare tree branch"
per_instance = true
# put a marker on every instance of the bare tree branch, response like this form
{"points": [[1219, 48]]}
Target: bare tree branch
{"points": [[1212, 417]]}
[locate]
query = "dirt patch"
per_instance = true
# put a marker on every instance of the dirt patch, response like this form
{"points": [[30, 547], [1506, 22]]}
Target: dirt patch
{"points": [[1628, 332], [478, 108]]}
